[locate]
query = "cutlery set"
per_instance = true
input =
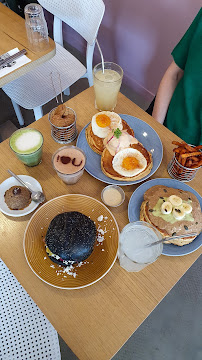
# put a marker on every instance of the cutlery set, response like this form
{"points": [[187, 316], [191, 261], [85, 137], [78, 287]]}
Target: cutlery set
{"points": [[7, 60]]}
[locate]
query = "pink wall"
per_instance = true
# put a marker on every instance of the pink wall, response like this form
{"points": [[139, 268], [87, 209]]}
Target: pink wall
{"points": [[139, 35]]}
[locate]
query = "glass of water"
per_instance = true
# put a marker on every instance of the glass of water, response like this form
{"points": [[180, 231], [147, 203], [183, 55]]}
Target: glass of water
{"points": [[36, 27], [134, 251]]}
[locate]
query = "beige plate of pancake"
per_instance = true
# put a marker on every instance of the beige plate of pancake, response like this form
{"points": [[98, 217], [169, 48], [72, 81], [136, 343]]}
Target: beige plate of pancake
{"points": [[93, 268]]}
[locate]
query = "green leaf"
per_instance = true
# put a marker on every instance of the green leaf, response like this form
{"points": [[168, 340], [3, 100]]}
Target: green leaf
{"points": [[117, 133]]}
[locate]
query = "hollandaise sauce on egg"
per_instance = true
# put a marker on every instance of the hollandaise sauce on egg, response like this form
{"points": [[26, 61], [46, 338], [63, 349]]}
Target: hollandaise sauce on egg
{"points": [[129, 162], [105, 121]]}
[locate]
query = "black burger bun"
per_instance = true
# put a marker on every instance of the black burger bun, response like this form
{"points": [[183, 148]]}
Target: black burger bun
{"points": [[70, 238]]}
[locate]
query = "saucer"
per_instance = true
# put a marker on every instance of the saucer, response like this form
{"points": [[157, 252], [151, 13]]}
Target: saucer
{"points": [[7, 184]]}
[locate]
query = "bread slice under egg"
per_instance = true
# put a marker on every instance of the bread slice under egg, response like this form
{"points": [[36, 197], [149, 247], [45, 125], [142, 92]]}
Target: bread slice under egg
{"points": [[96, 143], [108, 170]]}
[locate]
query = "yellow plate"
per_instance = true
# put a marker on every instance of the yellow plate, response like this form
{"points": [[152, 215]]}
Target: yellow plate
{"points": [[92, 269]]}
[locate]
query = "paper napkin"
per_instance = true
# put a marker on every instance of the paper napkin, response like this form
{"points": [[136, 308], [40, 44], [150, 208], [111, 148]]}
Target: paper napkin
{"points": [[16, 64]]}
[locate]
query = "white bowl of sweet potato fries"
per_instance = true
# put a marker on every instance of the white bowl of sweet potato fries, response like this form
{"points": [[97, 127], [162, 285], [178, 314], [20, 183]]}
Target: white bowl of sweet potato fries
{"points": [[186, 161]]}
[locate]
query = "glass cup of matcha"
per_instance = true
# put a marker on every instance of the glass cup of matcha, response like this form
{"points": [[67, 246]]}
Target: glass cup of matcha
{"points": [[27, 145]]}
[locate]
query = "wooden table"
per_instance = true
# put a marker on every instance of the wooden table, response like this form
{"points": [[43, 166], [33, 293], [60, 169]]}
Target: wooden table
{"points": [[95, 321], [12, 35]]}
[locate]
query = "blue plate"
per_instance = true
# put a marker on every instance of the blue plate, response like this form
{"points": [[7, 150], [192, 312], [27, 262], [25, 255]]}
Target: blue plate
{"points": [[144, 134], [134, 213]]}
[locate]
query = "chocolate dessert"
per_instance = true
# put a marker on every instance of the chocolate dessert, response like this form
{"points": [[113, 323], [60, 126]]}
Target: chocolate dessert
{"points": [[17, 197]]}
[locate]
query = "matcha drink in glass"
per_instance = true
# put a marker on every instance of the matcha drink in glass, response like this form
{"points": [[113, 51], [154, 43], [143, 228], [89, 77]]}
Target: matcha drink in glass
{"points": [[27, 145]]}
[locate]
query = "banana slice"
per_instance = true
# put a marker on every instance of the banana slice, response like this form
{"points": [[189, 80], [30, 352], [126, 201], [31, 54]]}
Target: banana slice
{"points": [[166, 208], [178, 213], [175, 200], [186, 207]]}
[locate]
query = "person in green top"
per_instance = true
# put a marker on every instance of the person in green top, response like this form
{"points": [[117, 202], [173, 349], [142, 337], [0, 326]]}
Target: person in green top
{"points": [[178, 103]]}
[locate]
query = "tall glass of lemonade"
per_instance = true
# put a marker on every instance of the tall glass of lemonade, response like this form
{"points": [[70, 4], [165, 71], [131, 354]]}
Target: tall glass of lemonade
{"points": [[107, 84]]}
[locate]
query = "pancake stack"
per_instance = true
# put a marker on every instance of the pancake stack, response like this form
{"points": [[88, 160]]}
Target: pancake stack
{"points": [[172, 212], [123, 157]]}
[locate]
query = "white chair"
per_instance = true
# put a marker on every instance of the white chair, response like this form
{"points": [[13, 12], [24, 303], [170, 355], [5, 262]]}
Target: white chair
{"points": [[35, 89], [25, 332]]}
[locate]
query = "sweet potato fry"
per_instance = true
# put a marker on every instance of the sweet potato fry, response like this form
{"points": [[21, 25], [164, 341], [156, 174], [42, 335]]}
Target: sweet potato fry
{"points": [[189, 148], [191, 154], [188, 162], [195, 158], [176, 143], [187, 155], [200, 163], [182, 151], [177, 150]]}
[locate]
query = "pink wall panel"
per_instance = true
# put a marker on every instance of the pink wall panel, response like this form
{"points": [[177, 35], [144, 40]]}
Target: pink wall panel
{"points": [[139, 35]]}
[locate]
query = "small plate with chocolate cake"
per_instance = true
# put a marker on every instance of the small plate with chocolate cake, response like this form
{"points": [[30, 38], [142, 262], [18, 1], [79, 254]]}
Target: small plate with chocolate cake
{"points": [[15, 200]]}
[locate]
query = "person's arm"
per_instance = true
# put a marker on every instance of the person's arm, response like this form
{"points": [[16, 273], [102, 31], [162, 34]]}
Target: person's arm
{"points": [[165, 91]]}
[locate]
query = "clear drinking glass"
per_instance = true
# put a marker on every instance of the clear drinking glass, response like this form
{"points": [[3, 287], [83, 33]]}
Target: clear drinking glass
{"points": [[62, 163], [134, 253], [36, 27], [107, 85], [27, 144]]}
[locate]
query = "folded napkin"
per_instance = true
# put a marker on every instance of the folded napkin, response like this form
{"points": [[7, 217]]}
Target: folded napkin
{"points": [[16, 63]]}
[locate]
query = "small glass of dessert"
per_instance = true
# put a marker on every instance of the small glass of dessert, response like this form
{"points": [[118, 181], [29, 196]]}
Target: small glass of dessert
{"points": [[69, 162], [113, 195], [63, 124]]}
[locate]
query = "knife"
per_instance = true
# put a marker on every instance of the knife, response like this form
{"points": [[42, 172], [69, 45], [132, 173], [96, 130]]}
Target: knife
{"points": [[11, 58]]}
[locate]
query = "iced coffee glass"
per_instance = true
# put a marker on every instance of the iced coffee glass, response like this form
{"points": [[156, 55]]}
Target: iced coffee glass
{"points": [[107, 85], [69, 162]]}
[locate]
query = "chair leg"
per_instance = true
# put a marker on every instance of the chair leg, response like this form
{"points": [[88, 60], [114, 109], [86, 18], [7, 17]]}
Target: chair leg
{"points": [[18, 113], [38, 112], [67, 91]]}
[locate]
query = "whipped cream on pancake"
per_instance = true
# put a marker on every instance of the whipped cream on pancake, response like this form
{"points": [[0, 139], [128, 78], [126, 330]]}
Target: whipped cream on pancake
{"points": [[114, 144]]}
